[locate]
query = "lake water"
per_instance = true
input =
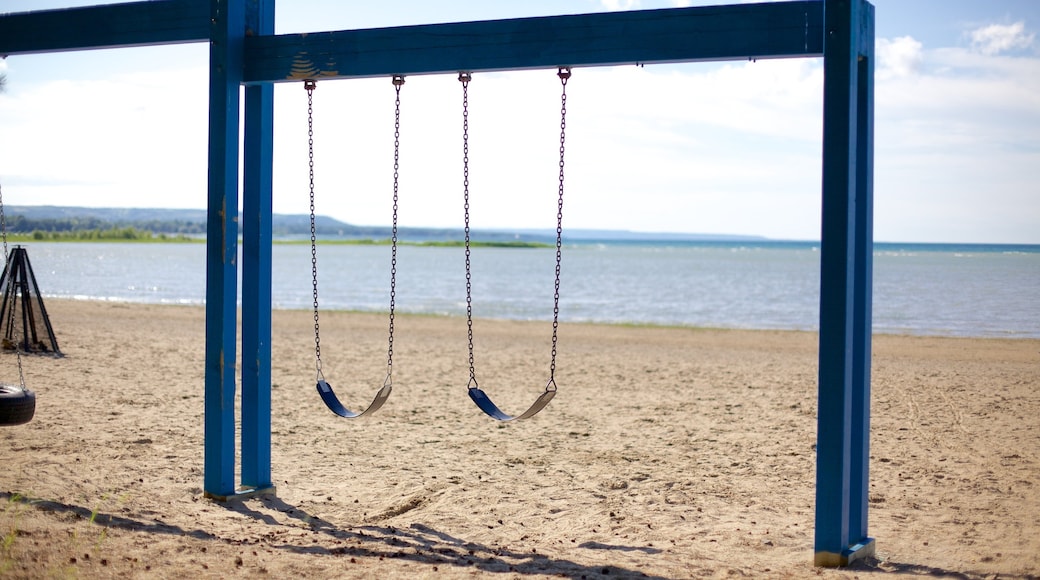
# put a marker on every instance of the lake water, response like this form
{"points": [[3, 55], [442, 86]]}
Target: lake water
{"points": [[918, 289]]}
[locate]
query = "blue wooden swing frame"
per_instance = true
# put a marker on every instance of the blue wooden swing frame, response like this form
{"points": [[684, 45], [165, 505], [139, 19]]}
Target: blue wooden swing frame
{"points": [[245, 51]]}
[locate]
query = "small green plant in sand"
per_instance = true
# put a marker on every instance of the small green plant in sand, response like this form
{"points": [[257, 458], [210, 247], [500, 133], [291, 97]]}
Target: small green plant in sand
{"points": [[99, 538], [12, 510]]}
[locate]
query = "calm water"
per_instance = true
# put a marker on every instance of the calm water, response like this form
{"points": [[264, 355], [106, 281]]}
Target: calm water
{"points": [[918, 289]]}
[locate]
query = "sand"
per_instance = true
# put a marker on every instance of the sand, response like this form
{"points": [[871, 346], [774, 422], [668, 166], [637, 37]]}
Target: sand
{"points": [[668, 453]]}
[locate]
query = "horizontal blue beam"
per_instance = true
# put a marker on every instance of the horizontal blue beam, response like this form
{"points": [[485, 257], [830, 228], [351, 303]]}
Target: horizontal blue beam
{"points": [[105, 26], [769, 30], [708, 33]]}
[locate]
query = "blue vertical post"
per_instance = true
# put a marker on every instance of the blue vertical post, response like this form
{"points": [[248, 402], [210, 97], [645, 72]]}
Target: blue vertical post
{"points": [[864, 275], [256, 268], [845, 327], [227, 32]]}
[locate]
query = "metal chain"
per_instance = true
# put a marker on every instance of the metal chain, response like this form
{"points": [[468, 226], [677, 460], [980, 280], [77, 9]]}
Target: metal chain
{"points": [[398, 82], [3, 225], [465, 78], [564, 73], [310, 85], [7, 264]]}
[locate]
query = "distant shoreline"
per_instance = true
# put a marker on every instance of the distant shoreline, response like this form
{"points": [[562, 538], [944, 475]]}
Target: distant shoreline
{"points": [[583, 323], [67, 223], [149, 238]]}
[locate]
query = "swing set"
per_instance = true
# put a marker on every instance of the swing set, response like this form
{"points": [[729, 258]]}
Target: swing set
{"points": [[245, 51], [482, 400]]}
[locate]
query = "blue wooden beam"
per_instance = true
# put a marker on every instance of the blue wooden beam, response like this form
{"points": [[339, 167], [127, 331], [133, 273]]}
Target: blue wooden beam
{"points": [[862, 307], [227, 32], [256, 269], [105, 26], [768, 30], [843, 416]]}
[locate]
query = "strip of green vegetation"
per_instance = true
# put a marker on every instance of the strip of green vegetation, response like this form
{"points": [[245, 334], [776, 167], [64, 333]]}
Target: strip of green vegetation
{"points": [[458, 244], [350, 242], [129, 234]]}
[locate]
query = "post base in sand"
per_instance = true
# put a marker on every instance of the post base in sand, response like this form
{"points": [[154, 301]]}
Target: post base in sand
{"points": [[853, 553], [245, 493]]}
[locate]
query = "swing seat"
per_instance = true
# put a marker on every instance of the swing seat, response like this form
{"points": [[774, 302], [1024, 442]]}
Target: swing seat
{"points": [[491, 409], [17, 405], [483, 402], [332, 402]]}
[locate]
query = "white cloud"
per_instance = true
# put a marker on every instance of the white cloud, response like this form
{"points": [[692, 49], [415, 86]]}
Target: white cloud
{"points": [[615, 5], [136, 139], [957, 144], [681, 148], [998, 38], [899, 57]]}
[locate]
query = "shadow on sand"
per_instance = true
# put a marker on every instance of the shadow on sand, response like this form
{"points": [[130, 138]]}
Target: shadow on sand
{"points": [[418, 543], [425, 545]]}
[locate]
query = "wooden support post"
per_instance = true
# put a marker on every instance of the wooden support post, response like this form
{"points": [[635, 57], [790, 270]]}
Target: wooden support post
{"points": [[256, 268], [843, 431], [862, 314], [226, 35]]}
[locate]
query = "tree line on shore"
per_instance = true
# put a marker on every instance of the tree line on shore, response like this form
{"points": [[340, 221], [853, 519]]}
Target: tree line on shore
{"points": [[95, 229], [91, 229]]}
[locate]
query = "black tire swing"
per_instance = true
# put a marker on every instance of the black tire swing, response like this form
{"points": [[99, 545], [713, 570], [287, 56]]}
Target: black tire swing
{"points": [[17, 403], [475, 392], [324, 388]]}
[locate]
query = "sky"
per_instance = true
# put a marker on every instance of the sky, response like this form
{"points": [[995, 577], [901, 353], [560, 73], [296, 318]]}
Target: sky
{"points": [[720, 148]]}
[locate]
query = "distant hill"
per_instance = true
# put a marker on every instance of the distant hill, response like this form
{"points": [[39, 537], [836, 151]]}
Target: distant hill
{"points": [[29, 218], [51, 218]]}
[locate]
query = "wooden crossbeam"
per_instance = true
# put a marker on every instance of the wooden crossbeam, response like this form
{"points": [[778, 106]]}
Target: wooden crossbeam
{"points": [[710, 33], [105, 26], [772, 30]]}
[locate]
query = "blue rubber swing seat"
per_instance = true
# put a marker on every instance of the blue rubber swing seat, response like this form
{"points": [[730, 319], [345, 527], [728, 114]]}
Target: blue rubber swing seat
{"points": [[491, 409], [332, 401]]}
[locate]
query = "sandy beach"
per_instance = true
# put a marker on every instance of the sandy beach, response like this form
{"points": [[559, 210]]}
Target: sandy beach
{"points": [[668, 453]]}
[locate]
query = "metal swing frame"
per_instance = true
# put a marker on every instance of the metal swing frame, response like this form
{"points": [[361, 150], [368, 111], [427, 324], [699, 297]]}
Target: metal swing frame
{"points": [[245, 51]]}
